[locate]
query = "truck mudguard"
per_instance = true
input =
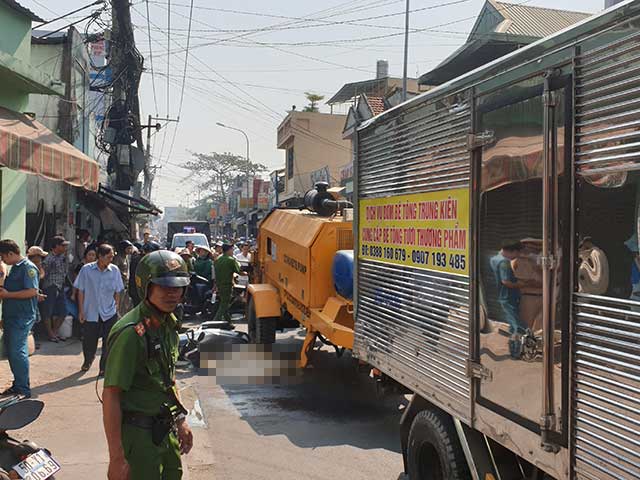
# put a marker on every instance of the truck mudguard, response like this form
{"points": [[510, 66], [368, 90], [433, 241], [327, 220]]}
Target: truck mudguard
{"points": [[266, 299]]}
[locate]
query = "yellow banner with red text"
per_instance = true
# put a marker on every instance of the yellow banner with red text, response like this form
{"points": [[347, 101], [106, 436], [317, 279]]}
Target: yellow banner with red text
{"points": [[422, 230]]}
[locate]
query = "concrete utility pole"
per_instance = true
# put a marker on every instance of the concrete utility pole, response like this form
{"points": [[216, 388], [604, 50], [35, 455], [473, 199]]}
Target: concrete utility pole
{"points": [[406, 53], [246, 137], [126, 64], [124, 113]]}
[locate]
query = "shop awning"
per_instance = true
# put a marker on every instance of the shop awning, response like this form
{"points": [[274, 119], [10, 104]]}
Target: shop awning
{"points": [[28, 146]]}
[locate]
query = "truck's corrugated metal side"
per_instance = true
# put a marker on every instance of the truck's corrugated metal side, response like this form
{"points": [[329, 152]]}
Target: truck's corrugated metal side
{"points": [[414, 323], [606, 344]]}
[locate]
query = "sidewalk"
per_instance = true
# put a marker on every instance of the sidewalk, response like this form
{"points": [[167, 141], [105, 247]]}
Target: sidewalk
{"points": [[71, 423]]}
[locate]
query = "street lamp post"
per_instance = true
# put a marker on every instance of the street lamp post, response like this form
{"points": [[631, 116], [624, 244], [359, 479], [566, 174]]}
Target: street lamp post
{"points": [[246, 137]]}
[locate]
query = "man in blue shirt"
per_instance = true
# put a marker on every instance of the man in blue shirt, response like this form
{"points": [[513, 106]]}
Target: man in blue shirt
{"points": [[19, 305], [509, 291], [99, 286]]}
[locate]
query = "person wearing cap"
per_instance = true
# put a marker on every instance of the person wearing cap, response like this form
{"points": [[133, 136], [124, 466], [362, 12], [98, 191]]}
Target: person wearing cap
{"points": [[186, 256], [225, 268], [190, 246], [37, 255], [56, 268], [217, 251], [19, 306], [99, 287], [144, 421], [121, 260], [203, 266]]}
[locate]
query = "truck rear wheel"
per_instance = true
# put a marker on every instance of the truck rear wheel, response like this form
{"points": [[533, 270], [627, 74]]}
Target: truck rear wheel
{"points": [[265, 331], [434, 451], [262, 331]]}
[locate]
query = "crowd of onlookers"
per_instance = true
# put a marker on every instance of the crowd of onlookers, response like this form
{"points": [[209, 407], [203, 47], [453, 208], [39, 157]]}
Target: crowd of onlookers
{"points": [[56, 295]]}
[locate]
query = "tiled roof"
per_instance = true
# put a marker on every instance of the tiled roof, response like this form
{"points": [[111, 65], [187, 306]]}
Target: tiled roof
{"points": [[23, 10], [376, 104], [538, 22]]}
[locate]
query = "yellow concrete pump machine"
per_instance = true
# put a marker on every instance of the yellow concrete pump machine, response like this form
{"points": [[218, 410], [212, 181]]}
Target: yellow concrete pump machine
{"points": [[305, 273]]}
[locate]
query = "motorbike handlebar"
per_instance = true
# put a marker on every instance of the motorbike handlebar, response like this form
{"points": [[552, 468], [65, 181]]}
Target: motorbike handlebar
{"points": [[198, 278]]}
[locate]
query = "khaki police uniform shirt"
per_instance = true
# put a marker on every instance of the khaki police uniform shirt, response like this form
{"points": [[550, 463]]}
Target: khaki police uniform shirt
{"points": [[129, 366]]}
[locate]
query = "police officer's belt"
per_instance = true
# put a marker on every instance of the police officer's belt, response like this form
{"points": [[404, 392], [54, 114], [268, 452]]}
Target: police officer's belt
{"points": [[139, 420], [159, 425]]}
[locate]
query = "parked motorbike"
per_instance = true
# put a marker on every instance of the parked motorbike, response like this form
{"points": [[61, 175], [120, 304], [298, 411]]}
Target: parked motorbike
{"points": [[22, 459], [197, 300], [202, 301]]}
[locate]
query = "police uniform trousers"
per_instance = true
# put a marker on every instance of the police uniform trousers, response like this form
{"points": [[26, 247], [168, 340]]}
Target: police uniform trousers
{"points": [[224, 295], [148, 461]]}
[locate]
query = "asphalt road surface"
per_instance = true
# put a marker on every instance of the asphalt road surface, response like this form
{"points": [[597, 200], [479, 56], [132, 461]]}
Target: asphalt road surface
{"points": [[330, 423]]}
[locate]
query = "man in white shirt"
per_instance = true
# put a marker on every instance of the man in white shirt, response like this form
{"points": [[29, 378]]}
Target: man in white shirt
{"points": [[244, 257]]}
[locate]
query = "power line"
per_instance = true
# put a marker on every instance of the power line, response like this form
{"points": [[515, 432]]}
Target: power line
{"points": [[278, 46], [184, 79], [66, 15], [276, 115], [303, 19], [239, 102], [307, 57], [164, 135], [45, 7], [153, 79], [252, 85], [321, 22], [226, 79]]}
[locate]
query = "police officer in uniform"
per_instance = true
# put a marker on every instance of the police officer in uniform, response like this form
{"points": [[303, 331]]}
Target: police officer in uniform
{"points": [[143, 419], [225, 268]]}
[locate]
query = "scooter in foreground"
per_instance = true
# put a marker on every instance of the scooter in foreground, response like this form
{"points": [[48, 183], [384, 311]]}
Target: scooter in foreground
{"points": [[22, 459]]}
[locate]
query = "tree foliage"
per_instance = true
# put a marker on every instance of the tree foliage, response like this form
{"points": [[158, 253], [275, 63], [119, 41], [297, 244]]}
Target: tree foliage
{"points": [[313, 99], [219, 170]]}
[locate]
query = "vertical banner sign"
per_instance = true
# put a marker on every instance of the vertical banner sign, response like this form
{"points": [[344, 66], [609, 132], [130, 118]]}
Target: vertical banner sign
{"points": [[422, 230]]}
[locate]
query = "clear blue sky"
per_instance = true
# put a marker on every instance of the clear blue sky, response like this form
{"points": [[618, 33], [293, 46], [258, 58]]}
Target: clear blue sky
{"points": [[247, 65]]}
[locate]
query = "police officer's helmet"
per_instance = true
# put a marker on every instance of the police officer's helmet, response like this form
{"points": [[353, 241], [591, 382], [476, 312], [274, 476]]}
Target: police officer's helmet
{"points": [[163, 268], [151, 247], [123, 245]]}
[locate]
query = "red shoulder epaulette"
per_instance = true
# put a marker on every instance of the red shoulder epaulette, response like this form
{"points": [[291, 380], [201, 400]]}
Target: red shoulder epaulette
{"points": [[139, 328]]}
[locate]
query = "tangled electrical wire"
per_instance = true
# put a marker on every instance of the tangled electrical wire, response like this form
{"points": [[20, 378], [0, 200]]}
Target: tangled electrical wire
{"points": [[121, 123]]}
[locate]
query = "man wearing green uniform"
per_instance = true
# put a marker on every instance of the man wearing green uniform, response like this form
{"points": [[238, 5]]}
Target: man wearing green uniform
{"points": [[225, 267], [143, 419]]}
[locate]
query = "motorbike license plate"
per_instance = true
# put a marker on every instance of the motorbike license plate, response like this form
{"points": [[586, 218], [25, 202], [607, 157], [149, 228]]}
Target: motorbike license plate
{"points": [[37, 466]]}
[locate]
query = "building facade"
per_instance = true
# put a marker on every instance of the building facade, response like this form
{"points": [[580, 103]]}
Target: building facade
{"points": [[28, 149], [19, 79], [54, 207], [314, 151]]}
